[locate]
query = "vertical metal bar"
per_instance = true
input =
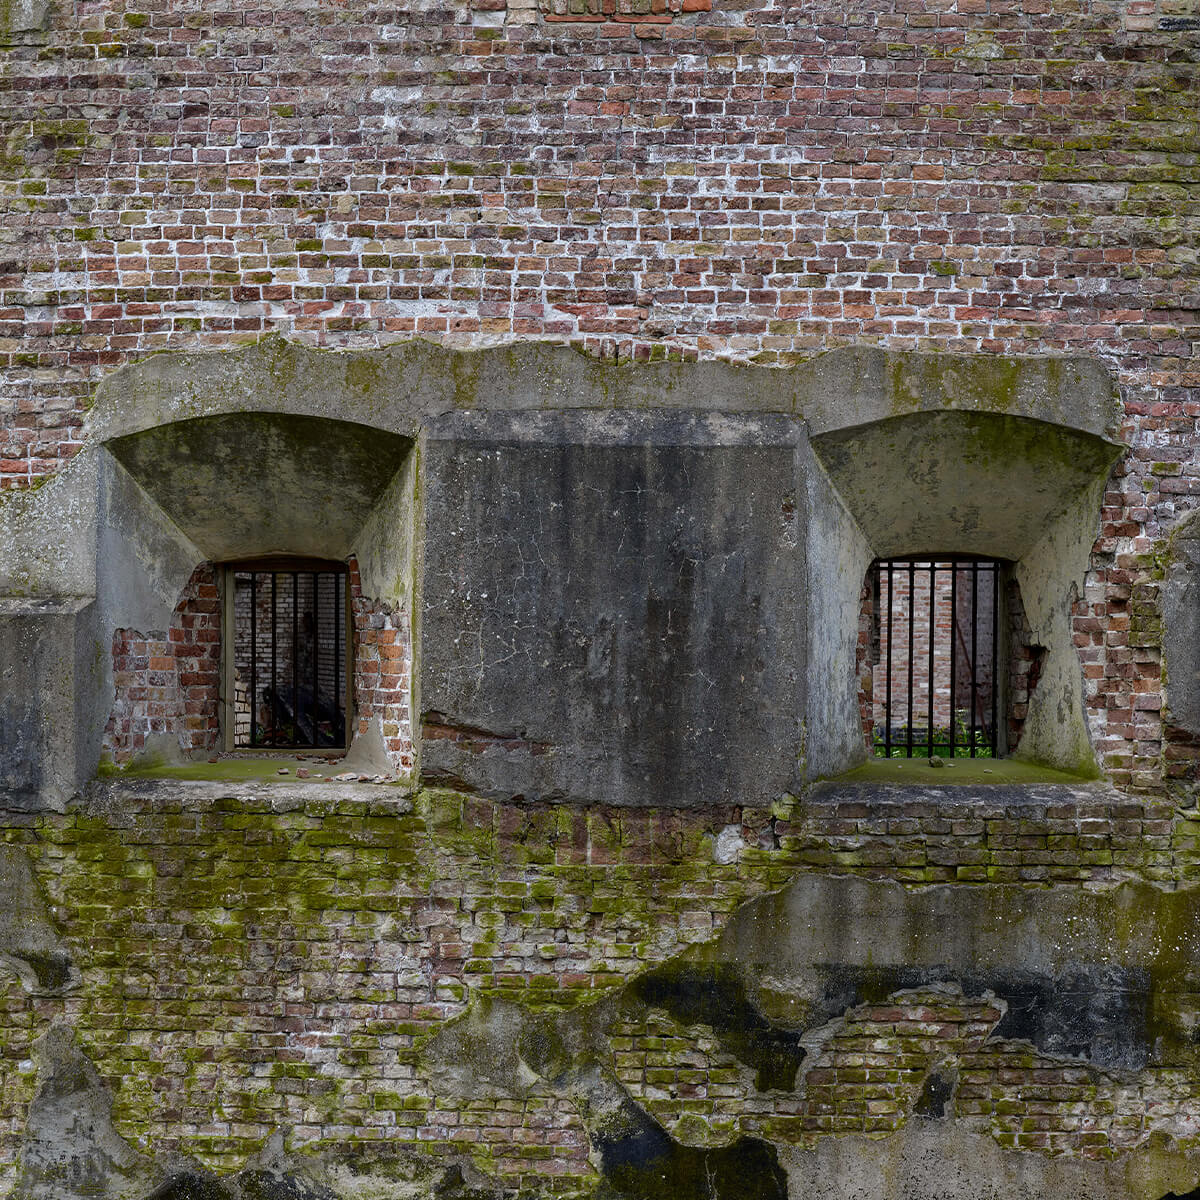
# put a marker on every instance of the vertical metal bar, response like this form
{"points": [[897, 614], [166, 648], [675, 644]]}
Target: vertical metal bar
{"points": [[953, 631], [316, 651], [295, 658], [912, 622], [337, 650], [995, 741], [253, 659], [887, 735], [932, 643], [974, 647], [274, 655]]}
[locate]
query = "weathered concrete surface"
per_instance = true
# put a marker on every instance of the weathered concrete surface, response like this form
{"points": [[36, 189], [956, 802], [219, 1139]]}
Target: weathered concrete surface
{"points": [[71, 1149], [951, 1160], [964, 483], [1181, 627], [861, 384], [612, 607], [29, 942], [401, 386], [252, 484], [1001, 486], [45, 645]]}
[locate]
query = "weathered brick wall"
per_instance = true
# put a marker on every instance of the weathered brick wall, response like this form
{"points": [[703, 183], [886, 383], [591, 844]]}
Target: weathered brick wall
{"points": [[750, 182], [168, 682], [311, 944]]}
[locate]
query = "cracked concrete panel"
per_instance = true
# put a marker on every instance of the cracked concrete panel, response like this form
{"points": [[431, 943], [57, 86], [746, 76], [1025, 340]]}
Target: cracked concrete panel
{"points": [[954, 1161], [613, 607], [46, 663], [1181, 627]]}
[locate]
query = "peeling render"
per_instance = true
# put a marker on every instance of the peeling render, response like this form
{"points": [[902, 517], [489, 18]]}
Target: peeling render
{"points": [[550, 964]]}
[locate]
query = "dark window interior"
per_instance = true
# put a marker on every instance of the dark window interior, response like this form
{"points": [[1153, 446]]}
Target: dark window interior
{"points": [[289, 665], [936, 650]]}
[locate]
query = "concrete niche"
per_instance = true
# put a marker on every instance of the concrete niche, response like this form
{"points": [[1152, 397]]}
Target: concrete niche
{"points": [[1003, 486]]}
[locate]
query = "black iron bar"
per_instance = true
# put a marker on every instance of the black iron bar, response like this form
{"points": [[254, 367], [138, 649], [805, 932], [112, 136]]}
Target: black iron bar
{"points": [[253, 660], [912, 620], [887, 707], [932, 643], [337, 651], [995, 739], [974, 649], [953, 630]]}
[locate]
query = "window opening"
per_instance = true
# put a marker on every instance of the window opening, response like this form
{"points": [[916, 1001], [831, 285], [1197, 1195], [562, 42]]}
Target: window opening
{"points": [[936, 644], [289, 655]]}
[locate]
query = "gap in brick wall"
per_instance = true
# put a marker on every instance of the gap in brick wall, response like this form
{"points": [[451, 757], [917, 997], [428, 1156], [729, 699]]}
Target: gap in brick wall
{"points": [[946, 664]]}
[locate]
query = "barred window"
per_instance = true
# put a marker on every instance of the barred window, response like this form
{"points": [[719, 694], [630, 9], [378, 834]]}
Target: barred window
{"points": [[287, 651]]}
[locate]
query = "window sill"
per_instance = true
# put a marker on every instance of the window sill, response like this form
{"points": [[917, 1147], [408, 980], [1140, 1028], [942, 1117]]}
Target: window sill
{"points": [[975, 771], [270, 768]]}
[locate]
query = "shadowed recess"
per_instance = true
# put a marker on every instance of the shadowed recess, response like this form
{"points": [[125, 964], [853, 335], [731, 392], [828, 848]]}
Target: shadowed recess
{"points": [[716, 996], [251, 484]]}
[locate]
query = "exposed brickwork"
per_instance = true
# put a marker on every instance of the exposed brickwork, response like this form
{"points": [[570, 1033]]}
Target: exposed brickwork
{"points": [[316, 942], [382, 672], [948, 835], [168, 681]]}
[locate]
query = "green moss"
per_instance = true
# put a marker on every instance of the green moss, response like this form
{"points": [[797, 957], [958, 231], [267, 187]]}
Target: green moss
{"points": [[918, 772]]}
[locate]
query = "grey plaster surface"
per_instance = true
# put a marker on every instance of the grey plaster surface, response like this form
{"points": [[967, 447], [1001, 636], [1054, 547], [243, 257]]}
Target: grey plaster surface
{"points": [[245, 485], [613, 606], [1181, 627]]}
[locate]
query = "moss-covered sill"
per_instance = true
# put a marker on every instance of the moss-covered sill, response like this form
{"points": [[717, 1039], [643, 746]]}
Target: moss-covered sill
{"points": [[272, 768], [956, 772]]}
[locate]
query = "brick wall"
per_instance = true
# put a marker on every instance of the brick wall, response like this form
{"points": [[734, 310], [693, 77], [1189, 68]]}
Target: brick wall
{"points": [[167, 682], [383, 672], [751, 183], [317, 943]]}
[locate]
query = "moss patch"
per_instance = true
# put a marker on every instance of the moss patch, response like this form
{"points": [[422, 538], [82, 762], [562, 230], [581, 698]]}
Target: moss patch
{"points": [[918, 772]]}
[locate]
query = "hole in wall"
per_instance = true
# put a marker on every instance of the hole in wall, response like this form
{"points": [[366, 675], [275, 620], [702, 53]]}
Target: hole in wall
{"points": [[946, 659]]}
